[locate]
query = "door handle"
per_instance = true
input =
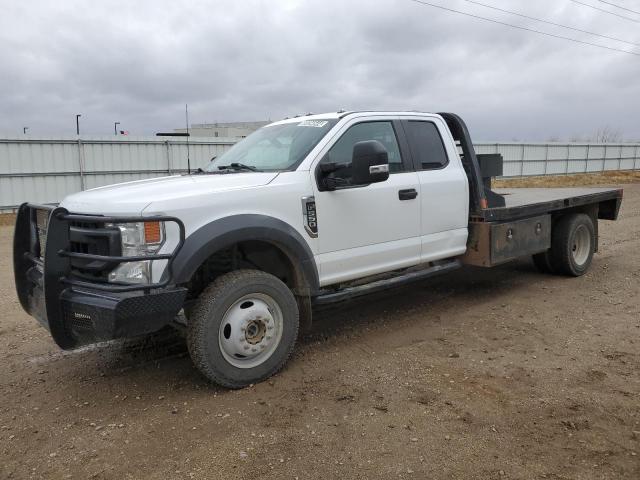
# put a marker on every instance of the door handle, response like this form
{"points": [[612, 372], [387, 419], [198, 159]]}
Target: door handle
{"points": [[407, 194]]}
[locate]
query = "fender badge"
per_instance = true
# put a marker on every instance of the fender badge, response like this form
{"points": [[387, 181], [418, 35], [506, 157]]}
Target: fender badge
{"points": [[309, 216]]}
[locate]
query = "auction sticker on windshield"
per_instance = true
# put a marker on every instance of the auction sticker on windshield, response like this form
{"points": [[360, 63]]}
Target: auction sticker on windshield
{"points": [[313, 123]]}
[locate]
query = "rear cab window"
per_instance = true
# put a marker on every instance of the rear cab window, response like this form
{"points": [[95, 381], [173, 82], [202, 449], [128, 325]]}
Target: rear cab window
{"points": [[426, 145]]}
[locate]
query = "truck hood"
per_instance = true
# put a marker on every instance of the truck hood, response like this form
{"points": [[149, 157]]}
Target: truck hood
{"points": [[132, 197]]}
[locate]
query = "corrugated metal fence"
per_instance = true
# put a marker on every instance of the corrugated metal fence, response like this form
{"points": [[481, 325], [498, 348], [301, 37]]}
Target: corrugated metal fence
{"points": [[46, 169], [526, 159]]}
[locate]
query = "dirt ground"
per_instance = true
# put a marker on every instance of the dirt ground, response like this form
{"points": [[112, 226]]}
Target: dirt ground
{"points": [[482, 374]]}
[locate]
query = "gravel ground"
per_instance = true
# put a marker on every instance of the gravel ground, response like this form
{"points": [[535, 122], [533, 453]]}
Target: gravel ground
{"points": [[503, 373]]}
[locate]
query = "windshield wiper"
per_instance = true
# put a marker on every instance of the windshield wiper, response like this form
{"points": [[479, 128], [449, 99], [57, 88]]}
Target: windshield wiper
{"points": [[239, 167]]}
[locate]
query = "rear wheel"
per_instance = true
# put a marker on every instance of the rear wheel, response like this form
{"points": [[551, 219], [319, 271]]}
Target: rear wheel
{"points": [[243, 328], [573, 243]]}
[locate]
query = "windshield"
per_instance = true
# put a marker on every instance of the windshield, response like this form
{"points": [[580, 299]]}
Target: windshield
{"points": [[275, 147]]}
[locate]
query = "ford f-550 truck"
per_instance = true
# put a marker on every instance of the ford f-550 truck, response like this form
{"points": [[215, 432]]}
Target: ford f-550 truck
{"points": [[305, 211]]}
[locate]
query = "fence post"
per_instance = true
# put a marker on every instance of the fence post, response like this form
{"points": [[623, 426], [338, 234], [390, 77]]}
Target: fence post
{"points": [[635, 158], [586, 160], [604, 160], [566, 167], [522, 162], [546, 158], [167, 150], [619, 157], [81, 163]]}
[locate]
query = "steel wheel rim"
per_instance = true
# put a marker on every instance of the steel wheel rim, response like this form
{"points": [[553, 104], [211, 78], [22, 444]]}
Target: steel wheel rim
{"points": [[251, 330], [581, 245]]}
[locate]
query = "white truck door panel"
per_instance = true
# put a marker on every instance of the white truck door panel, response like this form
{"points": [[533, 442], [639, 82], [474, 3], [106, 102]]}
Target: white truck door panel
{"points": [[367, 229], [443, 189]]}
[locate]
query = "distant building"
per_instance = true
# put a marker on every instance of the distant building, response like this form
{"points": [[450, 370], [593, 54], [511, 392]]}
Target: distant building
{"points": [[226, 130]]}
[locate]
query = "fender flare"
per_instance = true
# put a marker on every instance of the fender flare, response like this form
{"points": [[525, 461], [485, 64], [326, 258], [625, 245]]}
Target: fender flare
{"points": [[225, 232]]}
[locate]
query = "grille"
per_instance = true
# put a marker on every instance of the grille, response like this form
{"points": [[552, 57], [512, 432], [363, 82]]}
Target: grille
{"points": [[86, 246], [93, 238]]}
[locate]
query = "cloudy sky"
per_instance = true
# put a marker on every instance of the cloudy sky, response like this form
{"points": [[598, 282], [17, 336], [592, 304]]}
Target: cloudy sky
{"points": [[139, 62]]}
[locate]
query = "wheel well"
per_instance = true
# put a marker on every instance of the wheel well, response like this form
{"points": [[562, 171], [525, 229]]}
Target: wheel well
{"points": [[254, 254]]}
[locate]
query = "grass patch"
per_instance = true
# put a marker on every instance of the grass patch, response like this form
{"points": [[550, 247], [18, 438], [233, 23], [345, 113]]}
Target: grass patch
{"points": [[604, 178], [7, 219]]}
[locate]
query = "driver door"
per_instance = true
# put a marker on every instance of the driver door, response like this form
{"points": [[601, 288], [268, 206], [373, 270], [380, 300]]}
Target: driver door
{"points": [[364, 230]]}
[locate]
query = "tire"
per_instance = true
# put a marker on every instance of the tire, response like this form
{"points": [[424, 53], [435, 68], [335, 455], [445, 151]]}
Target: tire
{"points": [[243, 328], [573, 241], [542, 261]]}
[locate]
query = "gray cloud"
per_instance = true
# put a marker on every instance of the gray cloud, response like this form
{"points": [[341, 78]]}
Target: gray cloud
{"points": [[140, 62]]}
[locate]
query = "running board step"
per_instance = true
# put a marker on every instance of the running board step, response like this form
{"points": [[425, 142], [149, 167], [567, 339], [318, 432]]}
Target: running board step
{"points": [[379, 285]]}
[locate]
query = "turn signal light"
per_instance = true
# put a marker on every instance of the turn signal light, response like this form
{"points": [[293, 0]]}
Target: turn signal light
{"points": [[152, 233]]}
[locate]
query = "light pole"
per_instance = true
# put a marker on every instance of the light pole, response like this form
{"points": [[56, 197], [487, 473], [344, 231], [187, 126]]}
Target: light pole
{"points": [[78, 124], [115, 128], [24, 130]]}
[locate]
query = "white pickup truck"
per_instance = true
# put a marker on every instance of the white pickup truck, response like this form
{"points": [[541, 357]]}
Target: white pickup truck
{"points": [[307, 210]]}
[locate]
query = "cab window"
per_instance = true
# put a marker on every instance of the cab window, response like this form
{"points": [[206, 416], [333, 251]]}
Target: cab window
{"points": [[383, 131], [425, 142]]}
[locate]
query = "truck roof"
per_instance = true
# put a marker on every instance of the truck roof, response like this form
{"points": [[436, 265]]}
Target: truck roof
{"points": [[343, 113]]}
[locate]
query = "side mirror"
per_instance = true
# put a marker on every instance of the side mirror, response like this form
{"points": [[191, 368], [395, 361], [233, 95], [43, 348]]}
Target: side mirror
{"points": [[370, 163]]}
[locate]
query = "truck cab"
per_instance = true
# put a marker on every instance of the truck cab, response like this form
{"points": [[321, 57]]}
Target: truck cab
{"points": [[307, 210], [417, 214]]}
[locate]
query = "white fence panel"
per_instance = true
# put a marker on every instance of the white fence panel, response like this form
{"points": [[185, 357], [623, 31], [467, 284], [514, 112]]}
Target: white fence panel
{"points": [[513, 155], [595, 162], [611, 156], [47, 169], [627, 157], [577, 158], [555, 158]]}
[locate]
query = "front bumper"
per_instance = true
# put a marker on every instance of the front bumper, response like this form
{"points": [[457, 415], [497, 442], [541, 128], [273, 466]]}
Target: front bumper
{"points": [[75, 311]]}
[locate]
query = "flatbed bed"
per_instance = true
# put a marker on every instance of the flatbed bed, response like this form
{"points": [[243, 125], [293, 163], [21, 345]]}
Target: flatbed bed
{"points": [[526, 202], [523, 226]]}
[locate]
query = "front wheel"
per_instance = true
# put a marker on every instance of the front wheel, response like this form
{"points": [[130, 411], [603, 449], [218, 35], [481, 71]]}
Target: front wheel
{"points": [[243, 328]]}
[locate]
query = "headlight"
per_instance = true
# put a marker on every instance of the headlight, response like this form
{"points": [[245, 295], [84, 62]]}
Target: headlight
{"points": [[138, 239]]}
